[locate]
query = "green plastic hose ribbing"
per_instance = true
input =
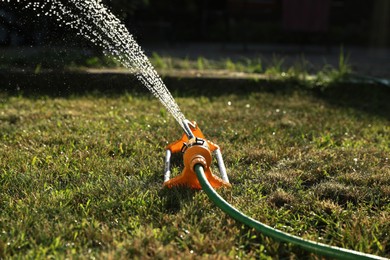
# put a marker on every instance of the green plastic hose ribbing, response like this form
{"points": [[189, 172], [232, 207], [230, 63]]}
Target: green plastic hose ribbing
{"points": [[317, 248]]}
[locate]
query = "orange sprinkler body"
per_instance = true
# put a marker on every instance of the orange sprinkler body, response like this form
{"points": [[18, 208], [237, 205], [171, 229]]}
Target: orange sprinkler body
{"points": [[196, 150]]}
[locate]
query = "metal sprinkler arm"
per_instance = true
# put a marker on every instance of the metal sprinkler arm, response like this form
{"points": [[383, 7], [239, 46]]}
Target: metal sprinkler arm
{"points": [[221, 165], [187, 129], [167, 169]]}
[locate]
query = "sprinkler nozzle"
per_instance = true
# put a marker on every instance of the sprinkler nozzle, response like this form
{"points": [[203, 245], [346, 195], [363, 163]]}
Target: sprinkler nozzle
{"points": [[187, 129], [196, 150]]}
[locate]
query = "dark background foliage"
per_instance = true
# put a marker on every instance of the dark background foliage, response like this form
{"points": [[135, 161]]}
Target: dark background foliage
{"points": [[335, 22]]}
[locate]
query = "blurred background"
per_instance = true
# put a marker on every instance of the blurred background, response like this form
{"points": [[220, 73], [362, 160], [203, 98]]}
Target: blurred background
{"points": [[192, 28], [320, 22]]}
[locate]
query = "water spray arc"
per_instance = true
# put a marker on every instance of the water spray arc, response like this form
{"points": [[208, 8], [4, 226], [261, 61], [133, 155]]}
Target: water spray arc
{"points": [[91, 20]]}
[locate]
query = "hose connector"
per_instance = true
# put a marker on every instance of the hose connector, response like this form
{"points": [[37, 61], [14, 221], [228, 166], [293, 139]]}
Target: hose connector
{"points": [[197, 152]]}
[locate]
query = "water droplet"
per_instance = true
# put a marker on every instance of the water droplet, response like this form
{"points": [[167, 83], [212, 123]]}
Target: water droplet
{"points": [[98, 25]]}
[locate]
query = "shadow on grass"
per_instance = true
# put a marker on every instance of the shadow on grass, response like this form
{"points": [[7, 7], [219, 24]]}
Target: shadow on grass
{"points": [[175, 197], [372, 99]]}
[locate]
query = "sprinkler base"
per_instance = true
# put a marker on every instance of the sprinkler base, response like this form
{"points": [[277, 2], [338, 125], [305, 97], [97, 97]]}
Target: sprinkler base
{"points": [[196, 150]]}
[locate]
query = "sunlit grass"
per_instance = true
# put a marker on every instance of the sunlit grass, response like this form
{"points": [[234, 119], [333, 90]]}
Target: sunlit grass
{"points": [[301, 71], [81, 176], [275, 68]]}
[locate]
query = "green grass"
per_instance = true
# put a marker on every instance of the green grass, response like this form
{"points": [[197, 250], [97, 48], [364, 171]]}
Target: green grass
{"points": [[301, 71], [245, 65], [81, 176]]}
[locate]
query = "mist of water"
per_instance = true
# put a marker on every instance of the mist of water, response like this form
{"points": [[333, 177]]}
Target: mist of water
{"points": [[90, 19]]}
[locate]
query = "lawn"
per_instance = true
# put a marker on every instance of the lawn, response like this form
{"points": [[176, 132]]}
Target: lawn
{"points": [[81, 175]]}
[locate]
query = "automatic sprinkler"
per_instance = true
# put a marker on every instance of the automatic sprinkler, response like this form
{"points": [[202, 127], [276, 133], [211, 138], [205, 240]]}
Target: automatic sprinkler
{"points": [[196, 149]]}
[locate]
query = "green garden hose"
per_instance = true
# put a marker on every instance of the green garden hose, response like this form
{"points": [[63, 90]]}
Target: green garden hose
{"points": [[315, 247]]}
